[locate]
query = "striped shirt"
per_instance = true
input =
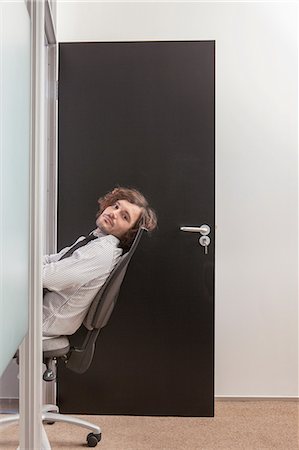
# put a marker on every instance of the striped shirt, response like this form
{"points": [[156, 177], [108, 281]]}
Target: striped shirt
{"points": [[74, 281]]}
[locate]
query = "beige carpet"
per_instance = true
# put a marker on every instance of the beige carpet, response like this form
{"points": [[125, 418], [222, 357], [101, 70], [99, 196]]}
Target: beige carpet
{"points": [[242, 425]]}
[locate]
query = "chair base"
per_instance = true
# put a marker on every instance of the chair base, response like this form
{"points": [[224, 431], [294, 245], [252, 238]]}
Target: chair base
{"points": [[50, 414]]}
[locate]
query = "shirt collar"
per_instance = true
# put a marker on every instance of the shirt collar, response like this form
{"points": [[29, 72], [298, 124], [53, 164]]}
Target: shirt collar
{"points": [[100, 233]]}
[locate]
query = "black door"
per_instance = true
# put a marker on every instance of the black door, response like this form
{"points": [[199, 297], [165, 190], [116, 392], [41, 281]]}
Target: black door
{"points": [[141, 114]]}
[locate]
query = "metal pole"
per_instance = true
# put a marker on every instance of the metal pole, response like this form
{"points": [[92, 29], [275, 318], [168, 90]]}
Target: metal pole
{"points": [[31, 348]]}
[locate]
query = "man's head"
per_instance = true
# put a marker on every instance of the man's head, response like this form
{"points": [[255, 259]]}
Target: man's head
{"points": [[122, 212]]}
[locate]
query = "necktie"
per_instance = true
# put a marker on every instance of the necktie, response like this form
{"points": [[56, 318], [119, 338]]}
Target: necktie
{"points": [[78, 245]]}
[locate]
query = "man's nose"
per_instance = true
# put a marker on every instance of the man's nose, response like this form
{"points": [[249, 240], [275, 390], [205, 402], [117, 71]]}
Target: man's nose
{"points": [[113, 214]]}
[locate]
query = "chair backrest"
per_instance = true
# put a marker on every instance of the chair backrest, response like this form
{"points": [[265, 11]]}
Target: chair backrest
{"points": [[103, 304], [100, 310]]}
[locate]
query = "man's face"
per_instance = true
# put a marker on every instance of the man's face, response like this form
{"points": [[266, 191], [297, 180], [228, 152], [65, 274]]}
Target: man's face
{"points": [[119, 218]]}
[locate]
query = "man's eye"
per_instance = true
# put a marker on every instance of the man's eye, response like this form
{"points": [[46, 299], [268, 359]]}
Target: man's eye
{"points": [[126, 218], [116, 206]]}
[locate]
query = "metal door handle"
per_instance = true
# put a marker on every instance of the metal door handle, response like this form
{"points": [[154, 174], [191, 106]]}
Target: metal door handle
{"points": [[203, 229]]}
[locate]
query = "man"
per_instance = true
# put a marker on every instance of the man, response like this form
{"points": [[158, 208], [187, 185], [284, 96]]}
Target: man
{"points": [[72, 277]]}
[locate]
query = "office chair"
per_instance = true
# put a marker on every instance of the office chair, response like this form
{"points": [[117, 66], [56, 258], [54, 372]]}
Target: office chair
{"points": [[79, 358]]}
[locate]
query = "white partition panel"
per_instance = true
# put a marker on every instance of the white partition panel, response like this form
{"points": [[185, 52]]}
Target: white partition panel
{"points": [[14, 176]]}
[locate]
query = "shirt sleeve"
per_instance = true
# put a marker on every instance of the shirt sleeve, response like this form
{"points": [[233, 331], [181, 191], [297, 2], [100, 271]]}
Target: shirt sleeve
{"points": [[85, 264]]}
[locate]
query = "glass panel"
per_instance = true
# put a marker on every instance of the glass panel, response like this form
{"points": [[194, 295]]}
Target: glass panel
{"points": [[14, 172]]}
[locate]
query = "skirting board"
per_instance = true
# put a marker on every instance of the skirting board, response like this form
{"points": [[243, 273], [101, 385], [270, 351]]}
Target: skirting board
{"points": [[254, 399], [11, 405]]}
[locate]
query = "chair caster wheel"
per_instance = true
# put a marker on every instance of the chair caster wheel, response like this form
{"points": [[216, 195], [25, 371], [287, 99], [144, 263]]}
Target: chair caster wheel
{"points": [[93, 439]]}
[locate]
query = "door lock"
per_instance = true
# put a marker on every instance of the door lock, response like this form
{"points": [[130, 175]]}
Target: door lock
{"points": [[205, 242]]}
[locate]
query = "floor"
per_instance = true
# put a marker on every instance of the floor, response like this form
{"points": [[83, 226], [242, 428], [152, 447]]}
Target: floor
{"points": [[242, 425]]}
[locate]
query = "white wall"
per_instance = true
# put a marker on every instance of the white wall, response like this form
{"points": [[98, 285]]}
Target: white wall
{"points": [[256, 153]]}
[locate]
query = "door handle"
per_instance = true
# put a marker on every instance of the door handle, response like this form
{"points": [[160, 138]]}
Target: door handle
{"points": [[204, 230]]}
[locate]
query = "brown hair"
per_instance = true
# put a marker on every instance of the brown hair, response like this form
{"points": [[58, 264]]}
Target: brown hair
{"points": [[148, 218]]}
